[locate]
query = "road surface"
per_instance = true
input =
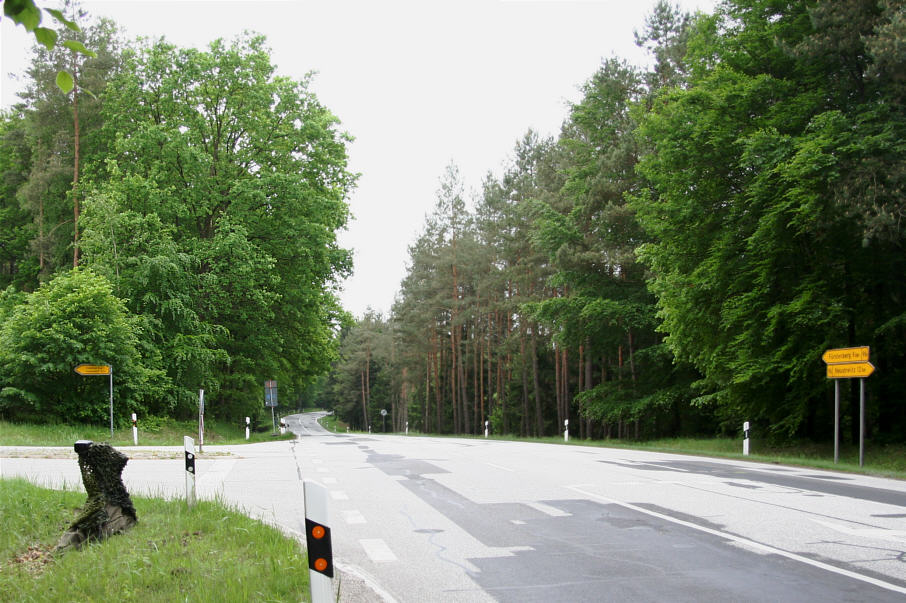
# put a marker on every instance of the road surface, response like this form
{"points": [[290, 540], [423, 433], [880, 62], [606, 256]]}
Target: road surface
{"points": [[447, 519]]}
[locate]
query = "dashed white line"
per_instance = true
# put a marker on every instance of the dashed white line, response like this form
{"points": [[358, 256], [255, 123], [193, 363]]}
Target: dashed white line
{"points": [[339, 495], [548, 510], [353, 517], [329, 480], [377, 550]]}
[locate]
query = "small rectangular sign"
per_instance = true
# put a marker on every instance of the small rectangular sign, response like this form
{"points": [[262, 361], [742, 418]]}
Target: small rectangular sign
{"points": [[93, 369], [846, 355], [854, 370], [270, 393]]}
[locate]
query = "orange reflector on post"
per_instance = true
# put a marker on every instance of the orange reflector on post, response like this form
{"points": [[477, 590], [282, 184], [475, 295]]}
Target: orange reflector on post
{"points": [[320, 554]]}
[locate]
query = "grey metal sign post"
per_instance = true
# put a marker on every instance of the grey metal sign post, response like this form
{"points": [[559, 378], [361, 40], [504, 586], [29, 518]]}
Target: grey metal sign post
{"points": [[87, 370], [849, 363], [270, 399]]}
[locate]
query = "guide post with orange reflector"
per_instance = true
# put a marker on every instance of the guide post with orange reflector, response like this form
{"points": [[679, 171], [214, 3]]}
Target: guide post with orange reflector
{"points": [[317, 540]]}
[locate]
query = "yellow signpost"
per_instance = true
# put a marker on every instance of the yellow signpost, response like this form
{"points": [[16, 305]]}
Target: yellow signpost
{"points": [[90, 370], [846, 355], [851, 370], [93, 369], [848, 363]]}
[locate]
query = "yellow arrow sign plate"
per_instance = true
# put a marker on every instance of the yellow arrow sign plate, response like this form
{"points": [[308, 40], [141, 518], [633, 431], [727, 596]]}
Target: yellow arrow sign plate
{"points": [[846, 355], [853, 370], [93, 369]]}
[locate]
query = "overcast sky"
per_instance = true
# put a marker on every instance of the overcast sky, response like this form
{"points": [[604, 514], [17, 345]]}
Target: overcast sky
{"points": [[417, 83]]}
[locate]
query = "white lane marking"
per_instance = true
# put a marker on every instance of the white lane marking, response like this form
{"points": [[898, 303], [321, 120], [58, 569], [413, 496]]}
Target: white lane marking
{"points": [[377, 550], [518, 522], [317, 461], [353, 517], [329, 480], [661, 467], [322, 470], [501, 467], [339, 495], [878, 533], [548, 510], [740, 540]]}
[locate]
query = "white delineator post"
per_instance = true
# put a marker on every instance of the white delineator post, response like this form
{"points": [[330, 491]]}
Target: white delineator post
{"points": [[189, 446], [134, 430], [317, 534], [486, 429], [566, 430], [407, 427], [200, 420], [745, 440], [246, 428]]}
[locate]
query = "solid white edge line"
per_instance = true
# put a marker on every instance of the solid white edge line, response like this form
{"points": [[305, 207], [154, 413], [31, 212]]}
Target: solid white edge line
{"points": [[743, 541], [367, 578]]}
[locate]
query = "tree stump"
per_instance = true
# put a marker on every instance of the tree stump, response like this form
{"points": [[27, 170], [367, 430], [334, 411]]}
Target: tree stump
{"points": [[108, 509]]}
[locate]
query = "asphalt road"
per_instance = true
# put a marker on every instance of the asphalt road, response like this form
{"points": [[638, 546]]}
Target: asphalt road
{"points": [[444, 519]]}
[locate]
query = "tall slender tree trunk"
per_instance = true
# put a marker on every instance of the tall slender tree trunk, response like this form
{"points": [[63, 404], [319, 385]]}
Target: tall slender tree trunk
{"points": [[580, 384], [454, 397], [564, 378], [75, 173], [539, 421], [427, 414], [633, 375], [476, 384], [463, 395], [364, 404], [438, 396], [525, 412], [588, 386]]}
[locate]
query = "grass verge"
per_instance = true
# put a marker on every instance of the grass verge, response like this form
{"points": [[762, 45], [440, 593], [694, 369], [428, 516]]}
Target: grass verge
{"points": [[153, 432], [208, 553]]}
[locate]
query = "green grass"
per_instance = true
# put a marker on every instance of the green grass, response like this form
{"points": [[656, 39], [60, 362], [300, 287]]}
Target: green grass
{"points": [[332, 424], [207, 553], [153, 432]]}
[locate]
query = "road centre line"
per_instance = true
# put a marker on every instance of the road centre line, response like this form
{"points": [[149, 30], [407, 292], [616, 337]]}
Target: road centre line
{"points": [[739, 539], [502, 468]]}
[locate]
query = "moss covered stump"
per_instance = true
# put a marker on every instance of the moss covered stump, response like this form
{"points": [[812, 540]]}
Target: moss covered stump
{"points": [[108, 509]]}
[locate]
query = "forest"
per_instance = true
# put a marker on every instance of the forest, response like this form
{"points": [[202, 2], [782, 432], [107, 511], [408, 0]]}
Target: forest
{"points": [[675, 261], [171, 213], [679, 257]]}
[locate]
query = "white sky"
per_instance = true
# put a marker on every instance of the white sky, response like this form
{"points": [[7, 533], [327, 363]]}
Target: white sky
{"points": [[418, 83]]}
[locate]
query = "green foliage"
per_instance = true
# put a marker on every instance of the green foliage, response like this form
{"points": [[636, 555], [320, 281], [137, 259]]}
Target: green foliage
{"points": [[217, 218], [771, 210], [27, 14], [74, 319]]}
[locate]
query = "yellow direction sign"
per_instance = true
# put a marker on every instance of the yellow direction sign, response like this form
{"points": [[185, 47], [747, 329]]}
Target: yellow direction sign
{"points": [[93, 369], [846, 355], [853, 370]]}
